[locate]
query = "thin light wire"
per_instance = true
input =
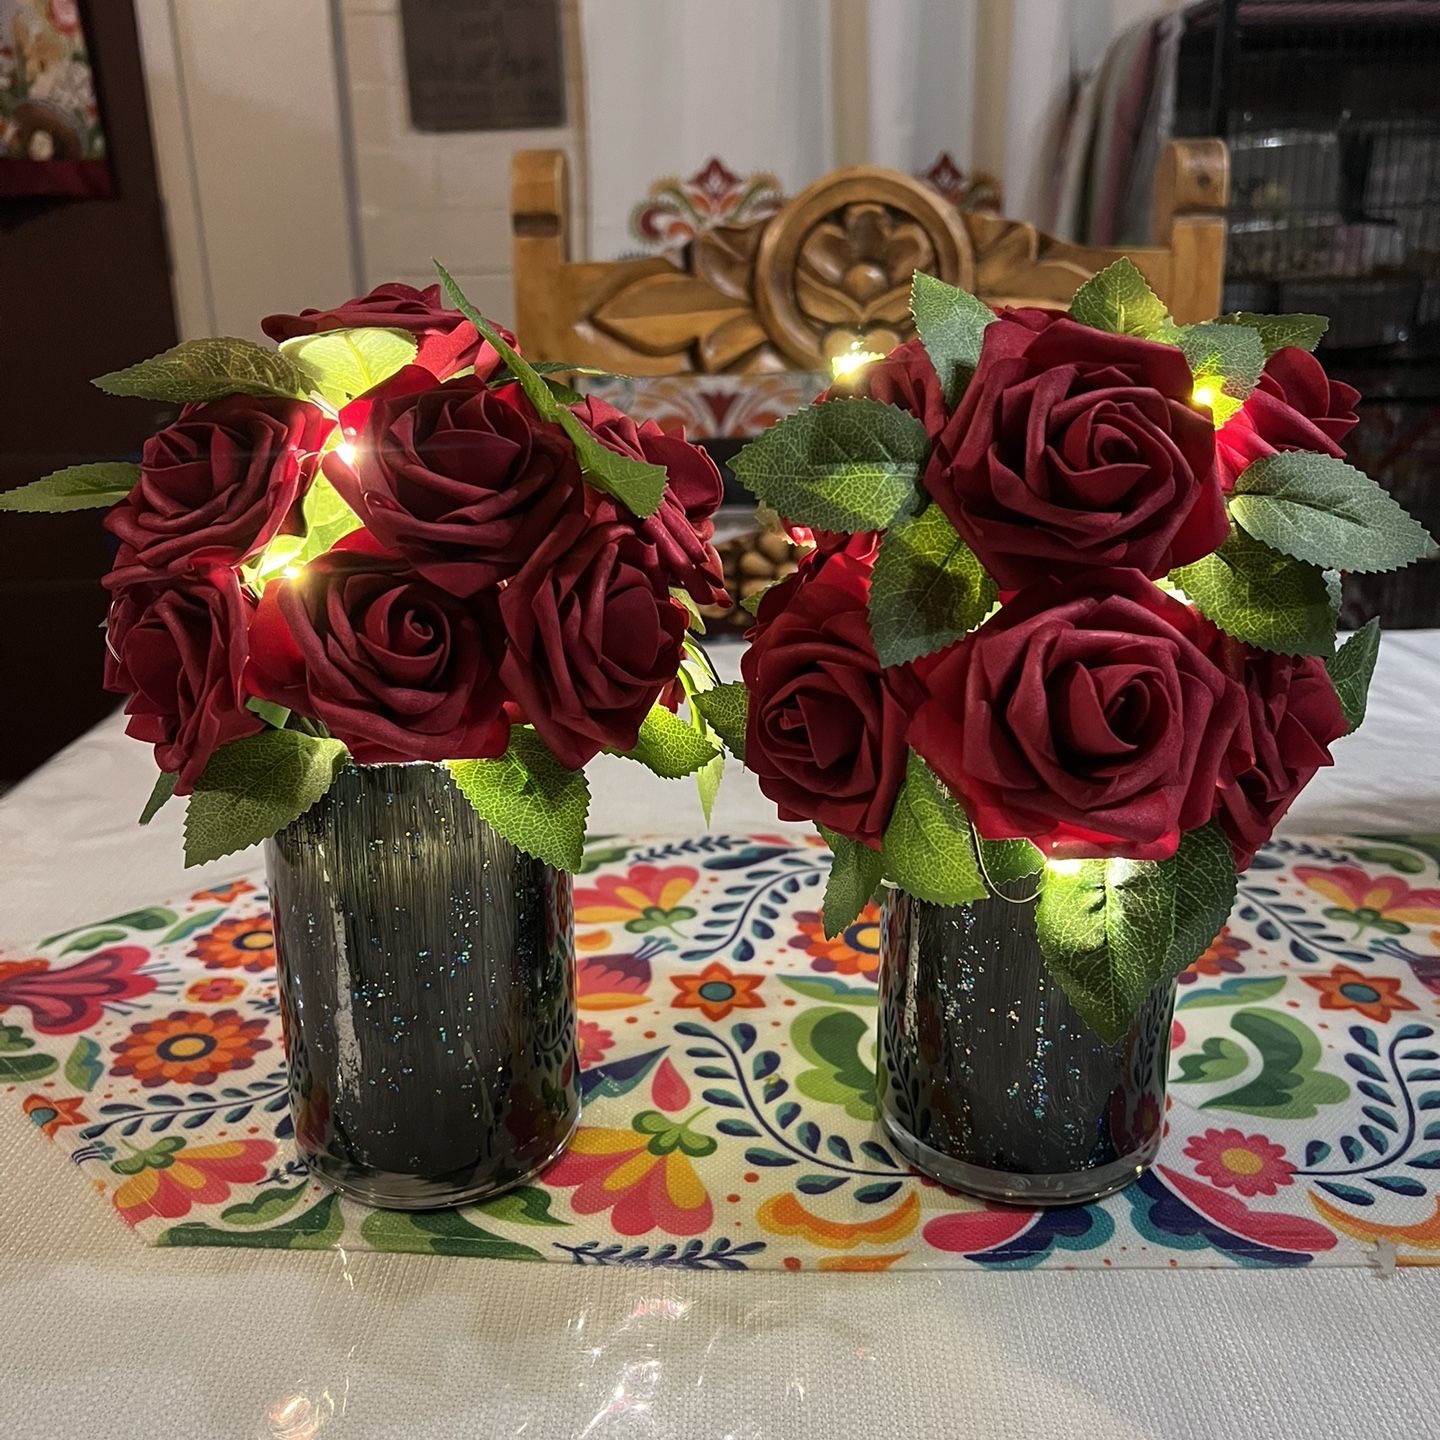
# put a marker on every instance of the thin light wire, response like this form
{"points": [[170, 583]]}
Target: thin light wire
{"points": [[990, 885]]}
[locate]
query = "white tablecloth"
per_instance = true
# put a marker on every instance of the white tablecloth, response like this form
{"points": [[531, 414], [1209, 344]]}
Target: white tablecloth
{"points": [[101, 1337]]}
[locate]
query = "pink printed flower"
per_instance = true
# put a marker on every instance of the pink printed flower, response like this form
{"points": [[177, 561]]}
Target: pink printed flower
{"points": [[215, 990], [648, 898], [169, 1177], [63, 999], [595, 1043], [1373, 902], [1249, 1164]]}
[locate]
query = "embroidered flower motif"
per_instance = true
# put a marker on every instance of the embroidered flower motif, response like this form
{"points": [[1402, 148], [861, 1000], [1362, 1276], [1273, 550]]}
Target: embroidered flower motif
{"points": [[167, 1178], [716, 991], [595, 1042], [855, 951], [247, 944], [1371, 902], [648, 898], [1249, 1164], [215, 990], [63, 999], [1221, 958], [189, 1047], [53, 1112], [1376, 997]]}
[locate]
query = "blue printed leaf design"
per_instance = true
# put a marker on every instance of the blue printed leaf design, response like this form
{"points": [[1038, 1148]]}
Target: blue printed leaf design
{"points": [[818, 1184], [759, 1155], [878, 1193], [1349, 1193], [742, 1128]]}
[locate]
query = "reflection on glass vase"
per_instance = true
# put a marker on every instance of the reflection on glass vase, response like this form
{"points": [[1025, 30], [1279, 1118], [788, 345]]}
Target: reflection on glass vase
{"points": [[990, 1082], [426, 973]]}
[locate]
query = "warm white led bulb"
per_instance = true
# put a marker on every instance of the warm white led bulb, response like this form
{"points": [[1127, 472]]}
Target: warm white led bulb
{"points": [[346, 451]]}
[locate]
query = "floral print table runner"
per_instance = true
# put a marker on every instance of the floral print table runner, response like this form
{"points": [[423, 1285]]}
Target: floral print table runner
{"points": [[728, 1071]]}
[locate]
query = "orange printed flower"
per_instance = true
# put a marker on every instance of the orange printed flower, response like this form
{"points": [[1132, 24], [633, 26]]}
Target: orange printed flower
{"points": [[189, 1047], [716, 992], [224, 894], [215, 990], [1248, 1164], [854, 951], [238, 945], [1371, 902], [168, 1178], [1221, 958], [52, 1112], [1376, 997], [595, 1042], [648, 898]]}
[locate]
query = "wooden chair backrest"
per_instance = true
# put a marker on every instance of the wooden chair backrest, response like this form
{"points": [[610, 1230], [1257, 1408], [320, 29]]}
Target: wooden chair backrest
{"points": [[833, 265]]}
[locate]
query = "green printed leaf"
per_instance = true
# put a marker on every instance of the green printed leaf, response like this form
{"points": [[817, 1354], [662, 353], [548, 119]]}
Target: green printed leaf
{"points": [[76, 487], [847, 465], [832, 990], [1204, 878], [17, 1065], [266, 1207], [191, 925], [1278, 331], [439, 1232], [927, 849], [529, 1205], [1290, 1085], [1119, 300], [855, 872], [345, 363], [530, 798], [635, 483], [317, 1228], [1351, 668], [253, 787], [669, 746], [1104, 929], [928, 589], [1219, 1058], [93, 940], [1258, 595], [210, 370], [165, 784], [84, 1067], [1007, 861], [1325, 512], [952, 325], [1237, 990], [1225, 360], [727, 708], [840, 1045]]}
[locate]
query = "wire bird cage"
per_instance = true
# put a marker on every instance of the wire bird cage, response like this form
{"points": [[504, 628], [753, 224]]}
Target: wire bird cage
{"points": [[1331, 110]]}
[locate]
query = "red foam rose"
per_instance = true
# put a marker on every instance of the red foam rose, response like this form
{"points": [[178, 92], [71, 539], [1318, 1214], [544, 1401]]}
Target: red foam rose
{"points": [[178, 648], [1084, 716], [826, 732]]}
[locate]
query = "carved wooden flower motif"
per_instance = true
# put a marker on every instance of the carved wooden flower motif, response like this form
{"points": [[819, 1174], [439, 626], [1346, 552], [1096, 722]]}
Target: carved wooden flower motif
{"points": [[853, 274]]}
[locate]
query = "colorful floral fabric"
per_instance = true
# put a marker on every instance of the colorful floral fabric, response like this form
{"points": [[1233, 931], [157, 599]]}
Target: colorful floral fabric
{"points": [[728, 1072]]}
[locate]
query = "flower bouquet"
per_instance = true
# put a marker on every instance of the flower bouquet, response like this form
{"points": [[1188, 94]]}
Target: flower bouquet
{"points": [[1062, 655], [380, 594]]}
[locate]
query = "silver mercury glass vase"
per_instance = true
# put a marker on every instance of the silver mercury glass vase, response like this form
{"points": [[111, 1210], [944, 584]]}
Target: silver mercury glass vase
{"points": [[426, 978]]}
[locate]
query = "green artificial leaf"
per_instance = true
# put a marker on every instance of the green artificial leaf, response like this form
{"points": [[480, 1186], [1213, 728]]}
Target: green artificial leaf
{"points": [[1119, 300], [1290, 1085], [1278, 331], [276, 716], [529, 1205], [76, 487], [1219, 1058], [530, 798], [694, 621], [1350, 669], [952, 325], [1104, 928], [165, 784], [928, 588], [1006, 861], [840, 1045], [328, 519], [84, 1067], [1260, 596], [750, 604], [727, 708], [847, 465], [439, 1232], [547, 369], [855, 872], [209, 370], [928, 850], [697, 676], [1325, 512], [1204, 871], [709, 776], [345, 363], [1335, 593], [1226, 361], [669, 746], [253, 787], [636, 484], [317, 1228]]}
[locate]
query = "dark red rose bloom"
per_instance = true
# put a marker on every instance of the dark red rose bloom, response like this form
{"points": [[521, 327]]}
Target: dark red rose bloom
{"points": [[1293, 716], [1296, 406], [217, 485], [826, 734], [448, 341], [594, 636], [178, 648], [394, 666], [1083, 716], [1074, 449], [462, 481], [682, 527]]}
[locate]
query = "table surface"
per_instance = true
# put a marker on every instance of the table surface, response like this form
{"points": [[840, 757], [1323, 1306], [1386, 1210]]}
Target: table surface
{"points": [[104, 1337]]}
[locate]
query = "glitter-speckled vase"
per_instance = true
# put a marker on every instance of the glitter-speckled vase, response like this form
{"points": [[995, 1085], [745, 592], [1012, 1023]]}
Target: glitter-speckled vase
{"points": [[990, 1082], [426, 973]]}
